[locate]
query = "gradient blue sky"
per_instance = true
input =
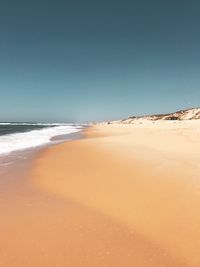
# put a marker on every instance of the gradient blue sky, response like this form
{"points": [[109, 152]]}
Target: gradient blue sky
{"points": [[94, 60]]}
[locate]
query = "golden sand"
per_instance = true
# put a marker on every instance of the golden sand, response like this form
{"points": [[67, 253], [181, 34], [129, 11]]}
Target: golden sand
{"points": [[127, 195]]}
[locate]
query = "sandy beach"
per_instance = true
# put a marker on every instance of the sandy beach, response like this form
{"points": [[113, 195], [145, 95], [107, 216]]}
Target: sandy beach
{"points": [[99, 133], [125, 195]]}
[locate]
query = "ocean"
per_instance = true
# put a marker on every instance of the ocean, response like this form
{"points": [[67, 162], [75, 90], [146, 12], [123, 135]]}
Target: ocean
{"points": [[20, 136]]}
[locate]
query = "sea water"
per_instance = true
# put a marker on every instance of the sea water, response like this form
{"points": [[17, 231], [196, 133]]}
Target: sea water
{"points": [[21, 136]]}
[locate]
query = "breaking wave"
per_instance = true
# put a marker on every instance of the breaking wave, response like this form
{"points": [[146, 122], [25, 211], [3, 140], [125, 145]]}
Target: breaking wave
{"points": [[33, 138]]}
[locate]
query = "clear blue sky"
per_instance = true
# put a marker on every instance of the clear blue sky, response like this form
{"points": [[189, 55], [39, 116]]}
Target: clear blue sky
{"points": [[94, 60]]}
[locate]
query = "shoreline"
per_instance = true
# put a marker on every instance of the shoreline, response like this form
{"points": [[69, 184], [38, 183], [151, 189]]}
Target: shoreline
{"points": [[27, 154], [18, 137], [121, 196]]}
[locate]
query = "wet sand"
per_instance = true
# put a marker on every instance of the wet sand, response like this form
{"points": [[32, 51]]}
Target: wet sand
{"points": [[127, 195]]}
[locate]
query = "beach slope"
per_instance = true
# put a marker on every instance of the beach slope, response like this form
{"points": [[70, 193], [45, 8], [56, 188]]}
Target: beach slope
{"points": [[142, 179]]}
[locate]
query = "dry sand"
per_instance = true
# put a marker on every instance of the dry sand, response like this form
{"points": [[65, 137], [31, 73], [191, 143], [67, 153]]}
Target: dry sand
{"points": [[127, 195]]}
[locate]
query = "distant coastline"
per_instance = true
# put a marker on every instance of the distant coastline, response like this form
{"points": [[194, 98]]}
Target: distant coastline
{"points": [[181, 115]]}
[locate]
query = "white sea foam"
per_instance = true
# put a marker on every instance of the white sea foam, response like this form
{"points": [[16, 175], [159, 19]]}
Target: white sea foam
{"points": [[34, 138]]}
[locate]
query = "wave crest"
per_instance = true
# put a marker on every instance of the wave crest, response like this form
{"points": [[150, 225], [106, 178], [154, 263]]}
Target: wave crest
{"points": [[34, 138]]}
